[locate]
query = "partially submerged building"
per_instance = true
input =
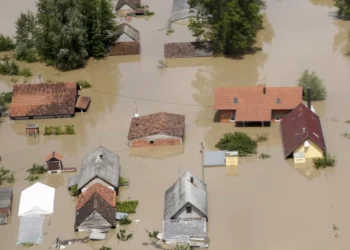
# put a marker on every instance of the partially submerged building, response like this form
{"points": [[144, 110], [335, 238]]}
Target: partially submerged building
{"points": [[188, 49], [159, 129], [258, 105], [54, 164], [5, 204], [106, 193], [127, 43], [95, 213], [186, 212], [100, 166], [302, 134], [125, 7], [43, 100], [180, 11]]}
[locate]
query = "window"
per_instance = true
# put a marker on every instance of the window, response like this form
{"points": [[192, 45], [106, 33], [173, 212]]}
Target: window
{"points": [[151, 142], [277, 118], [278, 100], [235, 100], [188, 210]]}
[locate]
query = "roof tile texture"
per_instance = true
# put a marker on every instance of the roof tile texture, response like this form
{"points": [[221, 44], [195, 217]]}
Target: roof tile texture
{"points": [[55, 155], [83, 102], [107, 194]]}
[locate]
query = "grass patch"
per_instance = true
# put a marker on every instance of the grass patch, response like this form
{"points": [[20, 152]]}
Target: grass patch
{"points": [[325, 161], [264, 156], [127, 206], [123, 181], [57, 130], [262, 137], [6, 176], [152, 234], [125, 221], [123, 235], [35, 171], [84, 84], [74, 190]]}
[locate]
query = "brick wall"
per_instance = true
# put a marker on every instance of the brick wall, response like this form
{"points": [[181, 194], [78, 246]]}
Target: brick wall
{"points": [[158, 142], [125, 48]]}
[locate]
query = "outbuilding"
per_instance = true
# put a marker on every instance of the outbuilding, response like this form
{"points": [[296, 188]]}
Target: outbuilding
{"points": [[127, 42], [5, 204], [125, 7], [159, 129]]}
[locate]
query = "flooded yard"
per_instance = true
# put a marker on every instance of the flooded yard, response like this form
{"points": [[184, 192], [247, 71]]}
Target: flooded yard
{"points": [[271, 204]]}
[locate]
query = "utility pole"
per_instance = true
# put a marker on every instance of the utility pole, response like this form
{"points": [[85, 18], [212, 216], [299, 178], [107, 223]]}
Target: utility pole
{"points": [[202, 151]]}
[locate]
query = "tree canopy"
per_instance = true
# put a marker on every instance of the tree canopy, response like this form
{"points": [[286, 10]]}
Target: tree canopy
{"points": [[312, 81], [343, 9], [238, 141], [230, 25]]}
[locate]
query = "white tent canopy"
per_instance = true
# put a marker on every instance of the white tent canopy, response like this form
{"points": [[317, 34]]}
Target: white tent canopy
{"points": [[37, 199]]}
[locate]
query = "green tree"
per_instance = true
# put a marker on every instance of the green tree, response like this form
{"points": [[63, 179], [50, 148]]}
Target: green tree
{"points": [[238, 141], [312, 81], [343, 9], [6, 43], [230, 25]]}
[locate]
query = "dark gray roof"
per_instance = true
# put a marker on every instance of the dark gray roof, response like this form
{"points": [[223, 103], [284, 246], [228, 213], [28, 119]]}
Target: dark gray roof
{"points": [[100, 163], [183, 192], [130, 31], [181, 231], [180, 10], [74, 180], [3, 218], [5, 197], [132, 3]]}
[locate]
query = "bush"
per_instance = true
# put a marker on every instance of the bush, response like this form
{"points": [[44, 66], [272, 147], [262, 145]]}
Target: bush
{"points": [[123, 181], [262, 138], [149, 13], [343, 9], [84, 84], [105, 248], [312, 81], [181, 247], [152, 234], [127, 206], [35, 171], [74, 190], [125, 221], [69, 130], [27, 244], [23, 53], [6, 43], [238, 141], [25, 72], [9, 67], [6, 176], [264, 156], [325, 161], [7, 96], [57, 130], [122, 235]]}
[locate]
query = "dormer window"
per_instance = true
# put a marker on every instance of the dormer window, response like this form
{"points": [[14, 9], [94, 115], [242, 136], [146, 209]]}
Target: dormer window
{"points": [[235, 100], [278, 100]]}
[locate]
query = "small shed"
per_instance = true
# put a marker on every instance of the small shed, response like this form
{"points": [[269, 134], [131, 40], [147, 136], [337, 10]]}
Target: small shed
{"points": [[54, 162], [31, 229], [32, 130], [5, 204], [83, 103]]}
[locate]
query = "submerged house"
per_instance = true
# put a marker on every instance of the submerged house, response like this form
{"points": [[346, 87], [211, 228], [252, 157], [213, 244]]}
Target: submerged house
{"points": [[125, 7], [100, 166], [186, 212], [302, 134], [127, 43], [44, 100], [96, 209], [159, 129], [54, 162], [258, 105], [188, 49], [180, 11], [5, 204]]}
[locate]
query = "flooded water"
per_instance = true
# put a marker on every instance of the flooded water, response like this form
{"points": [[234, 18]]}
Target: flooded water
{"points": [[270, 204]]}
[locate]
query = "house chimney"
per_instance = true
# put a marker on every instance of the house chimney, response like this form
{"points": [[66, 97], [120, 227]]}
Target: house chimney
{"points": [[264, 89], [191, 179], [308, 98]]}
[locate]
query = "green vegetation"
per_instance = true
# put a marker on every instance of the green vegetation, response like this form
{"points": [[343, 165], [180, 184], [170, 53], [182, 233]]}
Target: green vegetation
{"points": [[262, 138], [25, 72], [5, 99], [169, 32], [84, 84], [230, 25], [123, 236], [123, 181], [125, 221], [74, 190], [312, 81], [35, 171], [105, 248], [27, 244], [6, 176], [57, 130], [10, 67], [127, 206], [238, 141], [152, 234], [181, 247], [343, 9], [264, 156], [347, 121], [325, 161], [149, 13], [6, 43]]}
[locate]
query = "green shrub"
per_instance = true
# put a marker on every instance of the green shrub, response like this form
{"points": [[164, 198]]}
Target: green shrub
{"points": [[23, 53], [57, 130], [149, 13], [123, 181], [264, 156], [325, 161], [238, 141], [27, 244], [25, 72], [122, 235], [9, 67], [312, 81], [84, 84], [6, 43], [152, 234], [343, 9], [35, 171], [262, 138], [169, 32], [105, 248], [74, 190], [6, 176], [127, 206], [7, 96], [125, 221], [181, 247]]}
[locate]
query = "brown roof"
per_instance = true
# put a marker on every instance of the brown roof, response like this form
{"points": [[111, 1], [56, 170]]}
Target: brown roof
{"points": [[83, 102], [299, 125], [158, 123], [43, 99], [253, 105], [54, 155], [107, 194], [187, 49], [132, 3], [98, 204]]}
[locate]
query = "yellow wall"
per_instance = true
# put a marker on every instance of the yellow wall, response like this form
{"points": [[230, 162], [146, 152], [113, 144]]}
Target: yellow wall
{"points": [[313, 151]]}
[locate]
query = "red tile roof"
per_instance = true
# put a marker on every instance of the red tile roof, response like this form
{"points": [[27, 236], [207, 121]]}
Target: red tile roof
{"points": [[83, 102], [44, 99], [107, 194], [253, 105], [299, 125], [55, 155]]}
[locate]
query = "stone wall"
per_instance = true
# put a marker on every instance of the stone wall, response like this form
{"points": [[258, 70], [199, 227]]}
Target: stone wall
{"points": [[125, 48]]}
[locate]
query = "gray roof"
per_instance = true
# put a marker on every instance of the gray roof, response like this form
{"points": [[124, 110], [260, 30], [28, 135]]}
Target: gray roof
{"points": [[213, 158], [183, 192], [3, 218], [180, 10], [132, 3], [31, 229], [5, 197], [100, 163], [130, 31], [182, 230]]}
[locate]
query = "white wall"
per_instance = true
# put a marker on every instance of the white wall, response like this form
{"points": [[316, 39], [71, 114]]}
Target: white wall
{"points": [[182, 214]]}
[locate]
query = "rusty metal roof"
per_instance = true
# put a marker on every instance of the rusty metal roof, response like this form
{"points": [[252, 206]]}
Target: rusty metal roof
{"points": [[298, 126], [251, 104]]}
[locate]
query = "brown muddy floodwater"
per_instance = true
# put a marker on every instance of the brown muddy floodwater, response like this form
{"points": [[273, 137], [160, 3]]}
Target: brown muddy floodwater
{"points": [[270, 205]]}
